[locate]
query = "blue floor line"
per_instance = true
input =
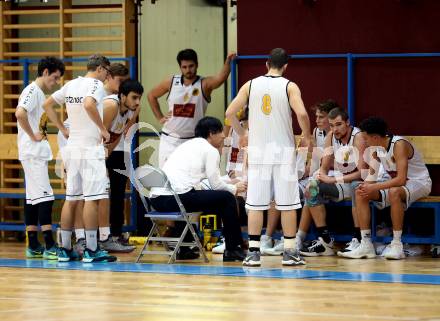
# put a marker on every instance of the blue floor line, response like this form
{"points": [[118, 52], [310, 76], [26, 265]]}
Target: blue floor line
{"points": [[281, 273]]}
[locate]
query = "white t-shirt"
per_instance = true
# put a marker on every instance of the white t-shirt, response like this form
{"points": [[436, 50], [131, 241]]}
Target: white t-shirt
{"points": [[189, 164], [32, 99], [62, 141], [83, 131]]}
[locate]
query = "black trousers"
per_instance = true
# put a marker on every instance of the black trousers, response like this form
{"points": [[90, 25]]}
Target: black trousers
{"points": [[222, 203], [117, 191]]}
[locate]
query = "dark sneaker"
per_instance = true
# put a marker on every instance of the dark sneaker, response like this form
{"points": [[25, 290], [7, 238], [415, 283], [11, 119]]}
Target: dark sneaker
{"points": [[51, 254], [65, 255], [291, 258], [435, 251], [234, 255], [252, 259], [186, 253], [35, 253], [80, 246], [124, 239], [319, 248], [112, 245], [97, 256]]}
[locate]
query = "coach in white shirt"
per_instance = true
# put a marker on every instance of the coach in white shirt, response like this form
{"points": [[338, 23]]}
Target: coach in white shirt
{"points": [[186, 167]]}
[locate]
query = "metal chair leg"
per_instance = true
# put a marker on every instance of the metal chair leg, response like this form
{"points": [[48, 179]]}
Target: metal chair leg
{"points": [[150, 234]]}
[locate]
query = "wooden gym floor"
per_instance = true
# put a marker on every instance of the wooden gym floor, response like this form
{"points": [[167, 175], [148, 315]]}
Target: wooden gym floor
{"points": [[328, 288]]}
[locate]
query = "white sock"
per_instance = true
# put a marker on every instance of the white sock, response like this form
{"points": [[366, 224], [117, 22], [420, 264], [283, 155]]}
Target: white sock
{"points": [[66, 239], [290, 243], [91, 241], [265, 238], [104, 233], [366, 235], [397, 236], [80, 234], [255, 244]]}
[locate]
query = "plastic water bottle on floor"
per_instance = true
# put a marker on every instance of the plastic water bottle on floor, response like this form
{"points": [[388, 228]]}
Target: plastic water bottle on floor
{"points": [[312, 200]]}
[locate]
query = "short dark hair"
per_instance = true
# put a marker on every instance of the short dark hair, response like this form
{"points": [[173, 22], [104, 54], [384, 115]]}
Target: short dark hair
{"points": [[52, 64], [95, 61], [130, 85], [118, 69], [374, 126], [278, 58], [187, 54], [208, 125], [326, 106], [335, 112]]}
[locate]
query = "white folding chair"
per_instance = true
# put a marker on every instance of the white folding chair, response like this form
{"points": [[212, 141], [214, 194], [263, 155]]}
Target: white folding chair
{"points": [[147, 177]]}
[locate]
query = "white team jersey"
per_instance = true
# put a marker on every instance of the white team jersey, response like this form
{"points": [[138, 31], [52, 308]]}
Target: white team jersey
{"points": [[187, 104], [416, 167], [62, 141], [118, 124], [345, 155], [83, 131], [32, 99], [319, 136], [271, 139]]}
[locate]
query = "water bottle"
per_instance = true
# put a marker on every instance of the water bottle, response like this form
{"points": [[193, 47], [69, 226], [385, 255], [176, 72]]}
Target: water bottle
{"points": [[312, 200], [207, 235]]}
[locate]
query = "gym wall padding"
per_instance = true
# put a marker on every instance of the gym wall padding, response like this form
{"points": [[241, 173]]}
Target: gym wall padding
{"points": [[404, 91]]}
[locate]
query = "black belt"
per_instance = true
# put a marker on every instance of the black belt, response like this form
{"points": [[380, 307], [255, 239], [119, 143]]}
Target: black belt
{"points": [[166, 134]]}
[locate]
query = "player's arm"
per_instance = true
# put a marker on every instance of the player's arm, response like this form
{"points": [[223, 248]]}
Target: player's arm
{"points": [[402, 152], [234, 107], [111, 109], [153, 99], [92, 112], [49, 108], [328, 157], [297, 106], [22, 118], [213, 82]]}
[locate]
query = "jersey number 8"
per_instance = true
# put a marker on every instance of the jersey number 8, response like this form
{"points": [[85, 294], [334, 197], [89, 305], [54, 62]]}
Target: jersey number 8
{"points": [[266, 107]]}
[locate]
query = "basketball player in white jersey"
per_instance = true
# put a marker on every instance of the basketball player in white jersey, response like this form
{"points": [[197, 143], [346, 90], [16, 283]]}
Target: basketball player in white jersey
{"points": [[84, 154], [118, 73], [343, 145], [318, 141], [188, 98], [75, 206], [120, 111], [268, 246], [271, 152], [409, 181], [34, 153]]}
